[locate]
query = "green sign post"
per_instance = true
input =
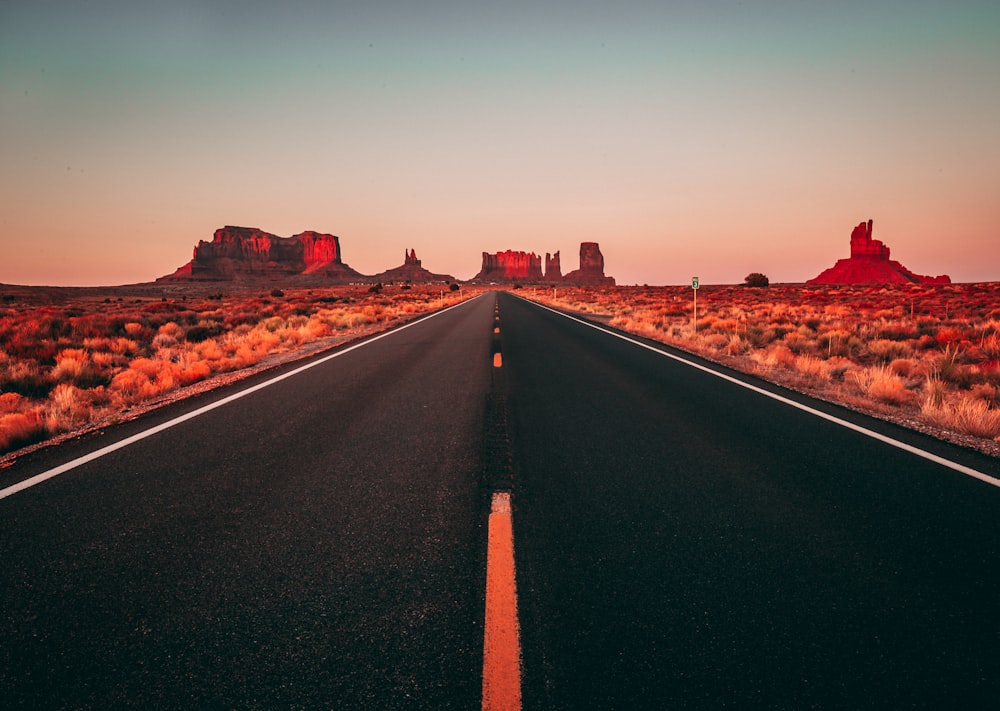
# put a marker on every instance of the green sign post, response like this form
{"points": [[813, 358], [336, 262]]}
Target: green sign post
{"points": [[694, 289]]}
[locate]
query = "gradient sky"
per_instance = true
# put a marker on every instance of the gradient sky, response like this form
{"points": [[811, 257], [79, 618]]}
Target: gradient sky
{"points": [[708, 138]]}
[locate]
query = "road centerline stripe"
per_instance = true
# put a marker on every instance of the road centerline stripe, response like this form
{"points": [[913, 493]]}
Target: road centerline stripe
{"points": [[121, 444], [501, 639], [955, 466]]}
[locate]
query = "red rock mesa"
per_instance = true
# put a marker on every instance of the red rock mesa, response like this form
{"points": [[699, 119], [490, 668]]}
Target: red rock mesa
{"points": [[238, 253], [510, 266], [526, 267], [869, 263]]}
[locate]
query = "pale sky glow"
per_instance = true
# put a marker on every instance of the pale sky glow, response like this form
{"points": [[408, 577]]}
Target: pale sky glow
{"points": [[709, 138]]}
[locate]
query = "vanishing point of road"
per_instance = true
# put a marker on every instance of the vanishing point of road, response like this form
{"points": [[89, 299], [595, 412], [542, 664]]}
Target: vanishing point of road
{"points": [[659, 533]]}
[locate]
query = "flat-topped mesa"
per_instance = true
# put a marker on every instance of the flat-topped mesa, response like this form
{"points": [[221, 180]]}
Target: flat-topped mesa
{"points": [[526, 267], [869, 263], [239, 253], [510, 266], [591, 271]]}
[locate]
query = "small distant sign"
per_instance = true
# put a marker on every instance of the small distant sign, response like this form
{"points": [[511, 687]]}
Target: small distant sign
{"points": [[694, 282]]}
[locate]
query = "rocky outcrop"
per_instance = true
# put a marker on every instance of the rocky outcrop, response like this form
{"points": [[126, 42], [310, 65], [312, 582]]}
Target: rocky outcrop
{"points": [[869, 263], [411, 270], [553, 269], [591, 271], [246, 253], [510, 266], [526, 268]]}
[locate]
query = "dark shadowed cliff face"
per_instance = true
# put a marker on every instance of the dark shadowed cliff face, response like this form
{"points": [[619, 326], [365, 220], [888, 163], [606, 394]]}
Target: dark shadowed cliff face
{"points": [[591, 271], [247, 252], [869, 263]]}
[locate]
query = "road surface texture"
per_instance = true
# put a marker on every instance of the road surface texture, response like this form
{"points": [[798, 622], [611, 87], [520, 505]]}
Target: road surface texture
{"points": [[686, 543], [316, 544], [679, 541]]}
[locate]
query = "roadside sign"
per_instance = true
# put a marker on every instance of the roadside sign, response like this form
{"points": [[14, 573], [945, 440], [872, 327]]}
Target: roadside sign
{"points": [[694, 282]]}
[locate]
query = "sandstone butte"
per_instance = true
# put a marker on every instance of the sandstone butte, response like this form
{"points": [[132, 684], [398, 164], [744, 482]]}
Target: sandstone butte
{"points": [[411, 270], [248, 254], [526, 267], [869, 263]]}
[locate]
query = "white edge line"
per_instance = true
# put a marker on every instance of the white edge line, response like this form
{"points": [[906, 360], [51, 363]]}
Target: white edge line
{"points": [[97, 454], [968, 471]]}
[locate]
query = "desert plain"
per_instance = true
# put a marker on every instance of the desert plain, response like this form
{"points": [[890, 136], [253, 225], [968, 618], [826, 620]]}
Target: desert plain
{"points": [[74, 359]]}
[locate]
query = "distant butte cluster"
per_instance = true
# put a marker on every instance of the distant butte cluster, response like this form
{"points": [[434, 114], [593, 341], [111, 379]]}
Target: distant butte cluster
{"points": [[869, 263], [526, 268], [248, 254]]}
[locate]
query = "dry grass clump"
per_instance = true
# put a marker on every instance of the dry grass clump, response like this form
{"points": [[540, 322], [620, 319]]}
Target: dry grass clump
{"points": [[67, 362], [929, 352], [968, 416]]}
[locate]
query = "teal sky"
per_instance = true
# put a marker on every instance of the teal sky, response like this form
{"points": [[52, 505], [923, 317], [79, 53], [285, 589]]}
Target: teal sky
{"points": [[710, 138]]}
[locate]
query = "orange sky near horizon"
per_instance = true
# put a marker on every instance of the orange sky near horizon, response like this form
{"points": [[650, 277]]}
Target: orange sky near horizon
{"points": [[686, 138]]}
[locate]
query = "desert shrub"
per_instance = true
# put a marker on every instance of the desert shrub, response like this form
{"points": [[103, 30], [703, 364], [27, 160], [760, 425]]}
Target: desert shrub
{"points": [[813, 367], [164, 340], [755, 336], [935, 393], [969, 416], [756, 279], [796, 342], [19, 429], [880, 383], [69, 407], [25, 378], [776, 356], [901, 366], [736, 345], [716, 341], [70, 364], [11, 402], [985, 392], [951, 371], [886, 350], [202, 332], [454, 287]]}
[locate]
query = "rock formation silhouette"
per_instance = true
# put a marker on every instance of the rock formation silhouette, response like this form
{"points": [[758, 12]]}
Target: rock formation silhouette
{"points": [[526, 268], [591, 271], [869, 263], [245, 253], [553, 270], [411, 270]]}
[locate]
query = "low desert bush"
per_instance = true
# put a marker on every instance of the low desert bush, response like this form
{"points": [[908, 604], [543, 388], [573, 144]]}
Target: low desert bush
{"points": [[18, 429], [969, 416], [880, 383], [886, 350]]}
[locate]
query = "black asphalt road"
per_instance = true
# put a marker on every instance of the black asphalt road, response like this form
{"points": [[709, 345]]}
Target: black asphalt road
{"points": [[317, 544], [680, 542]]}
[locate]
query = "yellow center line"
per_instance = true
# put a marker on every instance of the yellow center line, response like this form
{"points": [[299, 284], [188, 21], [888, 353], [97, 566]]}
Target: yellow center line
{"points": [[501, 644]]}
